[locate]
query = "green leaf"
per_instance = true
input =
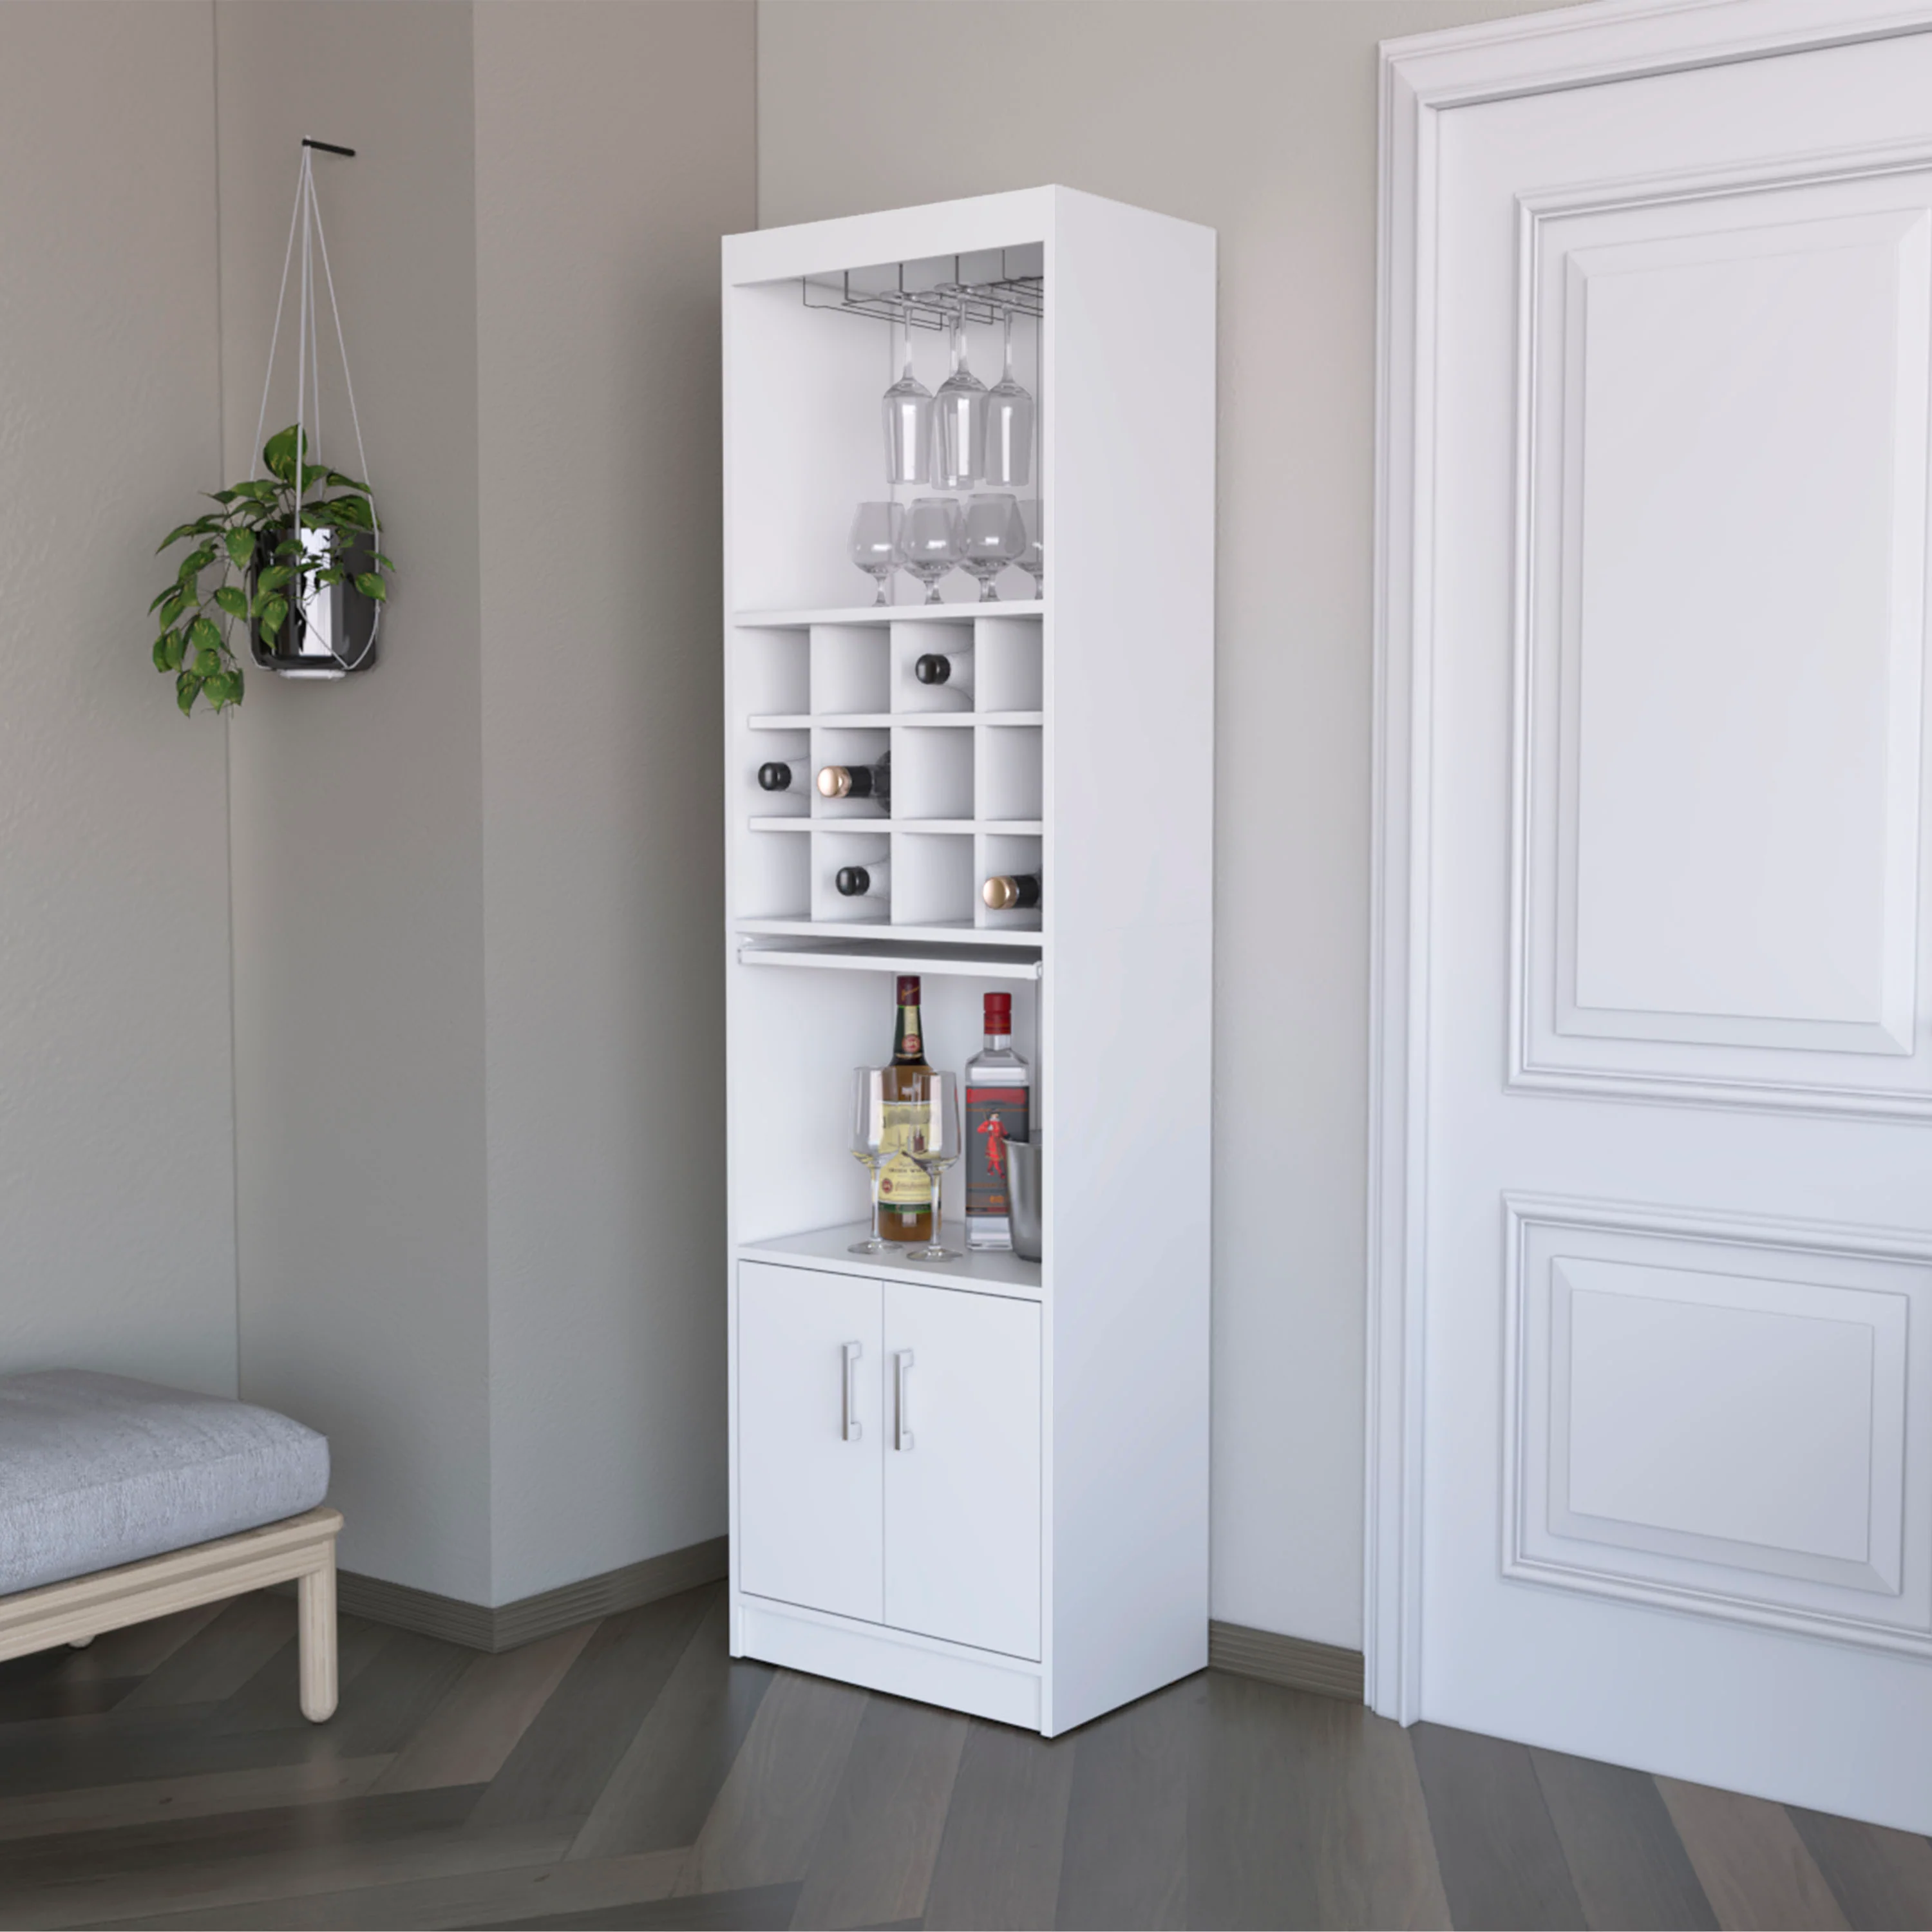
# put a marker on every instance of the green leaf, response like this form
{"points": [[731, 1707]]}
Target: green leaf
{"points": [[216, 688], [280, 454], [173, 609], [312, 473], [242, 548], [274, 577], [324, 578], [273, 612], [232, 600], [175, 536], [384, 562], [177, 650], [371, 585], [289, 547], [207, 662], [353, 511], [204, 635], [337, 481], [162, 645], [222, 495], [187, 687], [317, 516], [193, 564], [235, 684], [257, 489], [173, 590]]}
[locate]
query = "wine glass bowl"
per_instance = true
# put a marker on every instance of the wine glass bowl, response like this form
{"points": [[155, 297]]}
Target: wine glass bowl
{"points": [[992, 536], [959, 415], [874, 544], [906, 410], [1009, 423], [931, 541], [933, 1145]]}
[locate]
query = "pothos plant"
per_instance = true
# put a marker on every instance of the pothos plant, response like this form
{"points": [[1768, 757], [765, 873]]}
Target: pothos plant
{"points": [[249, 564]]}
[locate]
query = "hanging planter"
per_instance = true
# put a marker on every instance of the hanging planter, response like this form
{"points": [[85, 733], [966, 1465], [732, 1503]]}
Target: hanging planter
{"points": [[293, 556]]}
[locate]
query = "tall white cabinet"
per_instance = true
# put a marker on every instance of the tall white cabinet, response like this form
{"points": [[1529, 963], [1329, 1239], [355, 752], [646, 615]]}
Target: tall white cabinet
{"points": [[981, 1482]]}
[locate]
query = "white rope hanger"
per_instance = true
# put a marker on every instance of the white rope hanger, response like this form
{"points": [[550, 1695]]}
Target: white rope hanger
{"points": [[307, 219]]}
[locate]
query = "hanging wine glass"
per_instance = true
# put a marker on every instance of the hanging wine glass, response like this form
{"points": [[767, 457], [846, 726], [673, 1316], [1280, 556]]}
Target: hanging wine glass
{"points": [[961, 409], [906, 408], [1010, 419]]}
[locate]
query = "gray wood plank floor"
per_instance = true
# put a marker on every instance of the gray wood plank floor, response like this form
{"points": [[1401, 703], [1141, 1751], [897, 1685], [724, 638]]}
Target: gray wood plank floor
{"points": [[629, 1774]]}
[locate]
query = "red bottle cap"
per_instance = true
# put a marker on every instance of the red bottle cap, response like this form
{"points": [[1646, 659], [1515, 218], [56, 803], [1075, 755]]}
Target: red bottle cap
{"points": [[909, 989], [999, 1012]]}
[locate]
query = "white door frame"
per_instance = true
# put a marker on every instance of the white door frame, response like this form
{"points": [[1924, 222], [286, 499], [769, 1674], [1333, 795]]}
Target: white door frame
{"points": [[1421, 76]]}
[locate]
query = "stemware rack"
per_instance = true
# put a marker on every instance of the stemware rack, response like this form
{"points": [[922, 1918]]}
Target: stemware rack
{"points": [[1031, 1546], [986, 286]]}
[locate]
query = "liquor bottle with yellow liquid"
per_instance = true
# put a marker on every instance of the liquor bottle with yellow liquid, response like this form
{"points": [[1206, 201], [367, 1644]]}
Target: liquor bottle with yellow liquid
{"points": [[905, 1189]]}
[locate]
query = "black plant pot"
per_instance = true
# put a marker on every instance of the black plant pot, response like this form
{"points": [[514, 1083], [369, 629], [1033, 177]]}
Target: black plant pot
{"points": [[331, 632]]}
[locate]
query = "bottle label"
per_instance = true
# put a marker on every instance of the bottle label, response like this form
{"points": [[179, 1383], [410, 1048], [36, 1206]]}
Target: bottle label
{"points": [[905, 1187], [994, 1116]]}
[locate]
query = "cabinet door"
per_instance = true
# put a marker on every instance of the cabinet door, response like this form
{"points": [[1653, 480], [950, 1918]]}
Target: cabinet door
{"points": [[810, 1436], [962, 1467]]}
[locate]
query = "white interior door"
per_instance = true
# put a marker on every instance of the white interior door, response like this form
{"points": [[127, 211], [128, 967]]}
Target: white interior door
{"points": [[962, 1468], [811, 1431], [1676, 1473]]}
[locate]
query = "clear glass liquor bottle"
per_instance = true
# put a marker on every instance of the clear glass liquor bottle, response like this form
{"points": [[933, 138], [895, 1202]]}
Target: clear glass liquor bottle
{"points": [[999, 1099]]}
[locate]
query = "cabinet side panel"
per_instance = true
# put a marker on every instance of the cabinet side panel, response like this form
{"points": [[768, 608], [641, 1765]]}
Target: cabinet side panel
{"points": [[1130, 469]]}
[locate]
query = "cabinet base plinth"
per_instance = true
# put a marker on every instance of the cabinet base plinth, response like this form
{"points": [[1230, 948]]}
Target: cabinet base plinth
{"points": [[881, 1660]]}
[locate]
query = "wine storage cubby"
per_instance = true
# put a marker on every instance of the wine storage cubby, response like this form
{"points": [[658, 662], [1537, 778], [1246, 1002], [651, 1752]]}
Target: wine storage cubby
{"points": [[966, 756], [1030, 1543]]}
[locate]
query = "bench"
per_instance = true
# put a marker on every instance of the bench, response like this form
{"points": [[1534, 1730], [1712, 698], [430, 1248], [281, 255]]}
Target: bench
{"points": [[122, 1500]]}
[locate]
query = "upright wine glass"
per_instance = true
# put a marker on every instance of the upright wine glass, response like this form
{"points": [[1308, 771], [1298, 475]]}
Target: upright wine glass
{"points": [[931, 542], [959, 410], [1010, 418], [874, 544], [994, 536], [869, 1146], [906, 408], [934, 1146], [1032, 558]]}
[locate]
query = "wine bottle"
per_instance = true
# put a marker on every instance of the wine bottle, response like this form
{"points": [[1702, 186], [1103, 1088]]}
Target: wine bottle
{"points": [[952, 669], [775, 776], [871, 880], [858, 781], [999, 1090], [1016, 892], [905, 1189]]}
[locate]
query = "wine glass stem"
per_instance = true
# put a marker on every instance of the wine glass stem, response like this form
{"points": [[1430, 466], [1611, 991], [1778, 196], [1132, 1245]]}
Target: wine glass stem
{"points": [[938, 1224], [876, 1235]]}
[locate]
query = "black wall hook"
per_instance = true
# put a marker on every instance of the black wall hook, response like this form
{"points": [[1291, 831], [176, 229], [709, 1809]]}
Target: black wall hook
{"points": [[328, 147]]}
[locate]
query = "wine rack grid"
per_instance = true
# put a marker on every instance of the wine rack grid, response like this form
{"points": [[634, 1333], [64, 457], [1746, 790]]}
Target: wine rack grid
{"points": [[968, 764]]}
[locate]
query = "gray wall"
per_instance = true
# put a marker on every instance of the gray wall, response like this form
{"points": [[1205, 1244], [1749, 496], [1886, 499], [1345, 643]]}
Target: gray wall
{"points": [[614, 145], [117, 1225], [1259, 119], [357, 806], [476, 891]]}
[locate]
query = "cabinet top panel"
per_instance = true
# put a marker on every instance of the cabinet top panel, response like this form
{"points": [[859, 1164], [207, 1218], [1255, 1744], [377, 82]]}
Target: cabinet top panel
{"points": [[899, 234]]}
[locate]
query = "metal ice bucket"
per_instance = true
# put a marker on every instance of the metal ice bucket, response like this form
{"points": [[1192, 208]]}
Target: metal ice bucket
{"points": [[1023, 1161]]}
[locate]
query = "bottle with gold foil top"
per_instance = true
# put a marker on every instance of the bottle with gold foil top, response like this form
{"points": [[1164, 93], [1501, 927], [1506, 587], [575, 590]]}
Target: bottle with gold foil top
{"points": [[905, 1190]]}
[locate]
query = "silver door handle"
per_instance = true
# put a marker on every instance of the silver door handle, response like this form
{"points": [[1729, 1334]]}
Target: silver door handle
{"points": [[901, 1368], [848, 1420]]}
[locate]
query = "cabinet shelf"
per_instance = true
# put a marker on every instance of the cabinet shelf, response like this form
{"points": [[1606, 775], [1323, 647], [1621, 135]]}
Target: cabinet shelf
{"points": [[994, 1271], [875, 956], [1018, 828], [890, 614], [881, 720], [964, 933]]}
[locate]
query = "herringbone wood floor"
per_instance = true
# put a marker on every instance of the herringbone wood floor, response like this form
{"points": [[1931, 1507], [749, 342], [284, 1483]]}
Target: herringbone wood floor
{"points": [[628, 1774]]}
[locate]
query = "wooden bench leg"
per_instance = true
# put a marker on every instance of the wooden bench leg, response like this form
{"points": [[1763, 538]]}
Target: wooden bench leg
{"points": [[316, 1617]]}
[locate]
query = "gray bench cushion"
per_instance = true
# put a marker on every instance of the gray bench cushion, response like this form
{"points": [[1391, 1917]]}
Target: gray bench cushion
{"points": [[97, 1470]]}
